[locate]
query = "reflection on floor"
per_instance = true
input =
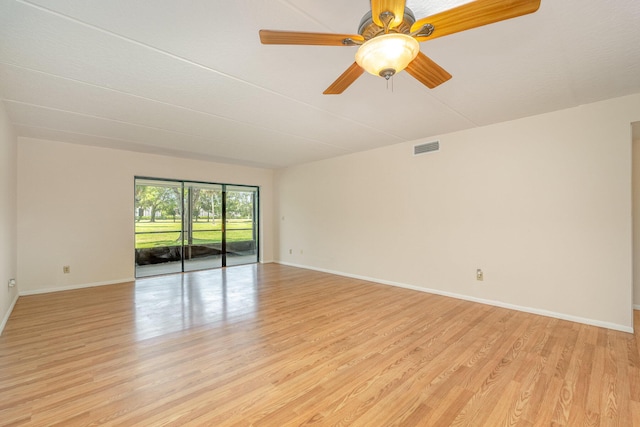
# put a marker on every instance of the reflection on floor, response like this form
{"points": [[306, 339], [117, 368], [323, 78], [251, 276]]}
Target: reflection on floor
{"points": [[178, 302]]}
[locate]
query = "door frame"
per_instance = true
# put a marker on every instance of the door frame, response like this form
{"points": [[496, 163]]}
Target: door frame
{"points": [[255, 189]]}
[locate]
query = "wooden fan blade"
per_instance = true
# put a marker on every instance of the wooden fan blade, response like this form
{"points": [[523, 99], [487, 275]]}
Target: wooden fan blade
{"points": [[427, 72], [345, 80], [474, 14], [396, 7], [320, 39]]}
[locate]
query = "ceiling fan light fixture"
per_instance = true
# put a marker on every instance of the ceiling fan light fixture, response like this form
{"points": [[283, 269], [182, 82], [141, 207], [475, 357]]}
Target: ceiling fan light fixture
{"points": [[387, 54]]}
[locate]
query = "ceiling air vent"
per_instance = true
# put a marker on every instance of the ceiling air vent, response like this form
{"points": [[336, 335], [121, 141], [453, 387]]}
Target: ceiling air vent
{"points": [[427, 147]]}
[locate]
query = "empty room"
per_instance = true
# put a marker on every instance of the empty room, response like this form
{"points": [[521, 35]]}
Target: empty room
{"points": [[291, 212]]}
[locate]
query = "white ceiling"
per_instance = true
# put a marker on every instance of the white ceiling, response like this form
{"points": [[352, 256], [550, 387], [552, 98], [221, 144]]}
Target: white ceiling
{"points": [[191, 79]]}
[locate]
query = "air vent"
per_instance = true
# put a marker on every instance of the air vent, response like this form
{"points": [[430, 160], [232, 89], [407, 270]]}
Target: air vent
{"points": [[427, 147]]}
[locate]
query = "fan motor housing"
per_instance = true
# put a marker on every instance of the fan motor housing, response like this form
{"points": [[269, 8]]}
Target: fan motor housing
{"points": [[369, 29]]}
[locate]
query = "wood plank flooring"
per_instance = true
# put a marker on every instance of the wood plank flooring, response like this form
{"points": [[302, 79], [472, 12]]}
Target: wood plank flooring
{"points": [[271, 345]]}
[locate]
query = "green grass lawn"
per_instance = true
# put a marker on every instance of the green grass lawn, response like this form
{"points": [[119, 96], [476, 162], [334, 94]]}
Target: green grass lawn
{"points": [[203, 232]]}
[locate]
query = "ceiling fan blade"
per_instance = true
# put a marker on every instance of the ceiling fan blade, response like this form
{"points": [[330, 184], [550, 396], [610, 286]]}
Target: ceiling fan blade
{"points": [[427, 72], [396, 7], [345, 80], [320, 39], [474, 14]]}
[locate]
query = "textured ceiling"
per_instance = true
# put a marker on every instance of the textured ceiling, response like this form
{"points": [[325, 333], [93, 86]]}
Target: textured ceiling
{"points": [[191, 79]]}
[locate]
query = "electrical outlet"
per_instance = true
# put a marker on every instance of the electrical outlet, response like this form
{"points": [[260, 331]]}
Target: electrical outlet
{"points": [[66, 269], [479, 275], [12, 283]]}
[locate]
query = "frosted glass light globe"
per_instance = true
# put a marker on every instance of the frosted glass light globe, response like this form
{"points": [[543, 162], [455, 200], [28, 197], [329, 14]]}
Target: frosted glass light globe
{"points": [[387, 54]]}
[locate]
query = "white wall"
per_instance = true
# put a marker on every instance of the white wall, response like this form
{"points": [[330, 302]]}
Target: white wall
{"points": [[636, 221], [8, 210], [541, 204], [76, 208]]}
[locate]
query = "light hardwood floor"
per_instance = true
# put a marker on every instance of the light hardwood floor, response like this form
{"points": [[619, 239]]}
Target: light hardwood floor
{"points": [[270, 345]]}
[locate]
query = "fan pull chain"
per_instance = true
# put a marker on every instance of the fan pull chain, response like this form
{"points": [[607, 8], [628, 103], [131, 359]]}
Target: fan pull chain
{"points": [[391, 84]]}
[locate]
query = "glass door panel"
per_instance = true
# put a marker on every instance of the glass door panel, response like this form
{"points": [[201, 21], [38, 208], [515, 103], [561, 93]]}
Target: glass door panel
{"points": [[202, 226], [241, 240], [158, 227]]}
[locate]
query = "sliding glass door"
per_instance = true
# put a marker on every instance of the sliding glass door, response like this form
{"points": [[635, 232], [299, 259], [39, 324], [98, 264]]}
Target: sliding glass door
{"points": [[187, 226], [158, 227], [241, 241], [203, 226]]}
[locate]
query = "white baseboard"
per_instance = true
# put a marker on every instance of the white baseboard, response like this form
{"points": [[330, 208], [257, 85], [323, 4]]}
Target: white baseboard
{"points": [[562, 316], [72, 287], [636, 307], [9, 311]]}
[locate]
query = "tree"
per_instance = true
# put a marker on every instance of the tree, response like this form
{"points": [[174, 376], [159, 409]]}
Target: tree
{"points": [[240, 204], [195, 202], [209, 202], [170, 208], [205, 203], [156, 199]]}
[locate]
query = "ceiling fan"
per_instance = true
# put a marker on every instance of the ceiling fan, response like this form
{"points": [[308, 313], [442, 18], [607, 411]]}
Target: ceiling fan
{"points": [[388, 37]]}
